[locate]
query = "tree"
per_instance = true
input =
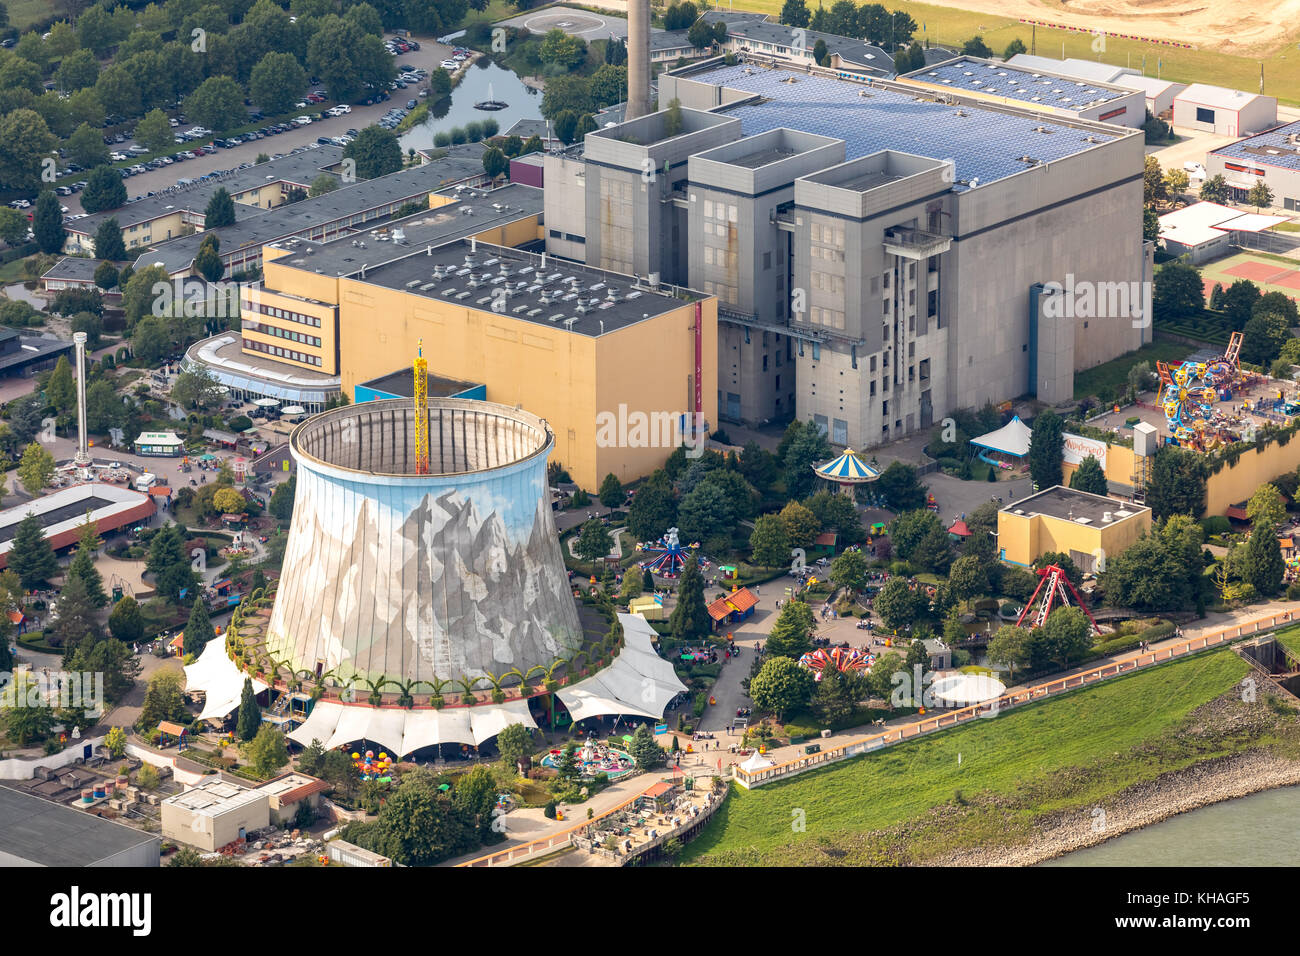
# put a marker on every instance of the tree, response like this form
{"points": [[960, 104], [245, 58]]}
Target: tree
{"points": [[169, 563], [1215, 189], [108, 242], [849, 570], [794, 13], [1238, 302], [690, 619], [1266, 506], [163, 699], [281, 504], [566, 126], [644, 750], [901, 487], [36, 468], [781, 687], [276, 82], [13, 227], [653, 510], [115, 742], [1063, 640], [154, 132], [1090, 477], [104, 190], [802, 445], [1010, 647], [791, 635], [967, 578], [515, 743], [82, 567], [199, 629], [835, 696], [1262, 564], [220, 211], [228, 501], [564, 51], [322, 184], [881, 677], [910, 528], [594, 541], [821, 55], [207, 262], [125, 621], [218, 104], [976, 46], [1176, 181], [1148, 576], [611, 492], [61, 389], [1014, 48], [250, 714], [27, 724], [47, 223], [1178, 291], [1046, 446], [1279, 303], [1154, 190], [700, 35], [105, 276], [715, 505], [1259, 195], [769, 542], [897, 604], [837, 512], [85, 147], [25, 141], [1150, 224], [1178, 482], [1265, 334], [266, 752], [801, 525], [375, 151], [138, 297]]}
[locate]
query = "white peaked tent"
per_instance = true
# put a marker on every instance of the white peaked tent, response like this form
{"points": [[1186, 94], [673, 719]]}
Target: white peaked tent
{"points": [[755, 763], [1011, 439], [638, 681], [965, 690], [214, 673]]}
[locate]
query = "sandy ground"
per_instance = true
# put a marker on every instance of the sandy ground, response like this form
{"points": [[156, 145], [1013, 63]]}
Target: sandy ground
{"points": [[1238, 29]]}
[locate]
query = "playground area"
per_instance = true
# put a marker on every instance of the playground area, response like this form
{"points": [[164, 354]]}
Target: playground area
{"points": [[1271, 275]]}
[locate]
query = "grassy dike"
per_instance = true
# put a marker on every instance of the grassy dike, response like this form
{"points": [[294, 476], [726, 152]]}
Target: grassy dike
{"points": [[915, 802]]}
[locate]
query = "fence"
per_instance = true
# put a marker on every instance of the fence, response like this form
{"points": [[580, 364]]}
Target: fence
{"points": [[951, 718], [24, 768]]}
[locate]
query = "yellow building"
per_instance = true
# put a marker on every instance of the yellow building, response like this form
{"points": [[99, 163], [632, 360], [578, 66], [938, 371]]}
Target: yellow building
{"points": [[1087, 527], [609, 364]]}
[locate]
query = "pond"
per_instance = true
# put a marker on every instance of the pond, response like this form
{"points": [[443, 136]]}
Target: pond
{"points": [[457, 110]]}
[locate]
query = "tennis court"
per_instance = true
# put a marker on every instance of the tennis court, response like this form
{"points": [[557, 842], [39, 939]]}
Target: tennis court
{"points": [[1271, 275]]}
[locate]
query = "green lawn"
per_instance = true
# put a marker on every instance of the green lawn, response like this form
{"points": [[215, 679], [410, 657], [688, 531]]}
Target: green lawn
{"points": [[1290, 639], [23, 13], [1074, 751], [1113, 375], [946, 26]]}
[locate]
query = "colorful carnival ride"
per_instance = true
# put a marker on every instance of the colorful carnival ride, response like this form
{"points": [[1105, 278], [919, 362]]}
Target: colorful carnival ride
{"points": [[667, 557], [843, 659], [1188, 393], [594, 758], [1054, 590]]}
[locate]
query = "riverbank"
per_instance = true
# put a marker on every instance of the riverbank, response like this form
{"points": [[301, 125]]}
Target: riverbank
{"points": [[1180, 791]]}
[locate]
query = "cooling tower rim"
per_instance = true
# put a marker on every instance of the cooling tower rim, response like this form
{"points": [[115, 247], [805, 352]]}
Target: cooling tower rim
{"points": [[374, 408]]}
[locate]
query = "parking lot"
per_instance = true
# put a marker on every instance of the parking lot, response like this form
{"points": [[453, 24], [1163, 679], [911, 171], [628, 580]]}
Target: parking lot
{"points": [[427, 58]]}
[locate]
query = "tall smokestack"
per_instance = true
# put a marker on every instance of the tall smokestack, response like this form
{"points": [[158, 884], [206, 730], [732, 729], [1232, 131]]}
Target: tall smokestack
{"points": [[82, 458], [638, 58]]}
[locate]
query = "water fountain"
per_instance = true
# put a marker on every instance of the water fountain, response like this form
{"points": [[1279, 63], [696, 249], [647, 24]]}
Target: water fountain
{"points": [[491, 103]]}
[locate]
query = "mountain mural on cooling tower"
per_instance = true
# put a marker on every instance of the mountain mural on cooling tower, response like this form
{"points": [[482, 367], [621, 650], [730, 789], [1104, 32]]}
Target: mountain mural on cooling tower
{"points": [[439, 592]]}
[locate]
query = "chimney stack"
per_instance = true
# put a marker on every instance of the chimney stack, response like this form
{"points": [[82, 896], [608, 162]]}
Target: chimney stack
{"points": [[638, 58]]}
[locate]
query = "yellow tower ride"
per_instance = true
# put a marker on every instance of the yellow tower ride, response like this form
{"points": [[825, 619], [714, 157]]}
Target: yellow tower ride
{"points": [[421, 412]]}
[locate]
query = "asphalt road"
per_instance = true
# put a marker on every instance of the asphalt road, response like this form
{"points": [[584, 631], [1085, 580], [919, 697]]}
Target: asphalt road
{"points": [[427, 57]]}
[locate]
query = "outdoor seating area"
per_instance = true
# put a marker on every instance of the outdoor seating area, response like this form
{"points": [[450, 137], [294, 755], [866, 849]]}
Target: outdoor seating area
{"points": [[666, 810]]}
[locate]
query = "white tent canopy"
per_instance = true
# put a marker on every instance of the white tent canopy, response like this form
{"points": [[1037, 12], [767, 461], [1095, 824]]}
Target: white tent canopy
{"points": [[319, 725], [221, 681], [755, 763], [638, 682], [1011, 439], [965, 690], [401, 731]]}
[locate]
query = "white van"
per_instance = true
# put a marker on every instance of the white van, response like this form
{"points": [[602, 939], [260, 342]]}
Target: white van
{"points": [[146, 481]]}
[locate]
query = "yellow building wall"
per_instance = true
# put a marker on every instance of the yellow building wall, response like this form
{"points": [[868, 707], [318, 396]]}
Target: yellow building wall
{"points": [[1022, 539], [561, 376], [327, 330], [513, 233], [264, 197], [1118, 467]]}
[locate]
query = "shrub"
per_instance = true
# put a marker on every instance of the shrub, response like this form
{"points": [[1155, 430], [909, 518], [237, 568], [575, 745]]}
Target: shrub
{"points": [[549, 810], [1216, 524], [1293, 592]]}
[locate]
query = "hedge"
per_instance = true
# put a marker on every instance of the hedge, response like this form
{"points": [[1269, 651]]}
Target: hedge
{"points": [[19, 252]]}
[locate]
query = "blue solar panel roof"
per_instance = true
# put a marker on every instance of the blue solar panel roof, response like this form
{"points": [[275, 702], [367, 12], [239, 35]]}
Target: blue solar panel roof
{"points": [[998, 79], [1269, 149], [984, 144]]}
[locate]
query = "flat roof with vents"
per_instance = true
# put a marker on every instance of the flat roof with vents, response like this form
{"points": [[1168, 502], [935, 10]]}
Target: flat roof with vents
{"points": [[1080, 507], [215, 797], [983, 141], [1278, 147], [1016, 83]]}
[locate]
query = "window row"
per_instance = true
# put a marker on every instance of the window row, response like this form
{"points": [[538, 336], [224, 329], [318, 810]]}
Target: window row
{"points": [[278, 352], [278, 313], [283, 333]]}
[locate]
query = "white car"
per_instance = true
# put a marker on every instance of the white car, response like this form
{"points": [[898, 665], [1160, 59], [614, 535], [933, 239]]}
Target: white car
{"points": [[449, 65], [118, 157], [302, 120]]}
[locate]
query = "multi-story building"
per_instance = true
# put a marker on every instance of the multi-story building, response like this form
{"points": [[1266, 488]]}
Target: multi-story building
{"points": [[908, 228]]}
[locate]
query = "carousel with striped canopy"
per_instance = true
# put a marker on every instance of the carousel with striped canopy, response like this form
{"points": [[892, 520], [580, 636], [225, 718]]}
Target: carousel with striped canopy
{"points": [[847, 471]]}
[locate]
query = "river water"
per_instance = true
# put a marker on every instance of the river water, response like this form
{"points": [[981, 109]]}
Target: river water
{"points": [[524, 103], [1260, 830]]}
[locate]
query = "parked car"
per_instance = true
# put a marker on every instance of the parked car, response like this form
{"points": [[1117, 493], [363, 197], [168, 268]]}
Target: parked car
{"points": [[302, 120], [411, 104], [62, 191], [450, 65]]}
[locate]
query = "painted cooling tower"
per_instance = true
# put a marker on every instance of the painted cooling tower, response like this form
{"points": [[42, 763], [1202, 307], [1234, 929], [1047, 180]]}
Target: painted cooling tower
{"points": [[413, 576]]}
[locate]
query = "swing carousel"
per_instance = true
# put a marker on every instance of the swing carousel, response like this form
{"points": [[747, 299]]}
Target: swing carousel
{"points": [[846, 471], [842, 659], [667, 557]]}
